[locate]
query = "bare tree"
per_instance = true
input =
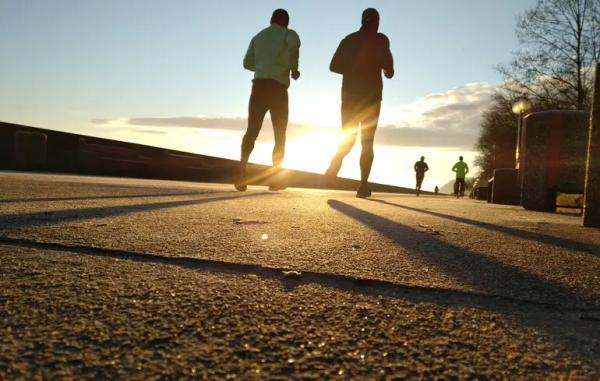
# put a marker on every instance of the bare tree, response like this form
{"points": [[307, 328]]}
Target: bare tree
{"points": [[560, 42], [498, 135]]}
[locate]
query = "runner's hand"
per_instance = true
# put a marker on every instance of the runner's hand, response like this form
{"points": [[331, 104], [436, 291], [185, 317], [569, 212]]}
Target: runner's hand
{"points": [[295, 74]]}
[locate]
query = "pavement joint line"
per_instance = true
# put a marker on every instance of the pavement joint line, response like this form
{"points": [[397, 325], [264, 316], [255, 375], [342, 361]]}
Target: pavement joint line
{"points": [[347, 283], [15, 221], [111, 197]]}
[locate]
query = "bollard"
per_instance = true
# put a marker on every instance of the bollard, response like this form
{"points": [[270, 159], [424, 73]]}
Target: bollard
{"points": [[591, 203]]}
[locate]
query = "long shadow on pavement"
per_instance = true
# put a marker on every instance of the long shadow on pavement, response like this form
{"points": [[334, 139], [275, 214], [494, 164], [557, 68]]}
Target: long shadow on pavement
{"points": [[485, 274], [481, 272], [29, 220], [102, 197], [556, 241]]}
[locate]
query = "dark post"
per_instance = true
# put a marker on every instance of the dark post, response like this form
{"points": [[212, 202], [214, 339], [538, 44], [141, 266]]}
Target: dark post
{"points": [[518, 148], [591, 203]]}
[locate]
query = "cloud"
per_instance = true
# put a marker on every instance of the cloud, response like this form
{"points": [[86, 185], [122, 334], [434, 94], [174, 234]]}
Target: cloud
{"points": [[447, 119], [420, 137], [153, 132], [219, 123], [236, 124]]}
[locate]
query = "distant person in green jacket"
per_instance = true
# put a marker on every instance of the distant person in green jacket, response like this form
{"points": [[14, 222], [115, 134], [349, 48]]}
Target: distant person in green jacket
{"points": [[361, 58], [273, 57], [461, 168], [420, 168]]}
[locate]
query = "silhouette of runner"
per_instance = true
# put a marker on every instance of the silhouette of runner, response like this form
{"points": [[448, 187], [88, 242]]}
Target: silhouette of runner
{"points": [[436, 190], [272, 56], [420, 168], [461, 168], [360, 58]]}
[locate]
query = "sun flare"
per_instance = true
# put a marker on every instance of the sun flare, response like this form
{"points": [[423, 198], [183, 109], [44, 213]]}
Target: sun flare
{"points": [[311, 152]]}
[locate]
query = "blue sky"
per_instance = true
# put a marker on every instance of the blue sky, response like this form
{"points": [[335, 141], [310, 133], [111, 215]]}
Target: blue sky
{"points": [[66, 64]]}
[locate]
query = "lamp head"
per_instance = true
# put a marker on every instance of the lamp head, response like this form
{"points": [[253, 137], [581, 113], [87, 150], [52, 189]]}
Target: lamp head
{"points": [[520, 106]]}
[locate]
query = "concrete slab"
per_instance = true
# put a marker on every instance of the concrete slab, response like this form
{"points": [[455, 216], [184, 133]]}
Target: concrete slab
{"points": [[521, 288]]}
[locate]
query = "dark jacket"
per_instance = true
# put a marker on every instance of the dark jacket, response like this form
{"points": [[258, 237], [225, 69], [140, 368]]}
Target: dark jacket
{"points": [[421, 167], [360, 57]]}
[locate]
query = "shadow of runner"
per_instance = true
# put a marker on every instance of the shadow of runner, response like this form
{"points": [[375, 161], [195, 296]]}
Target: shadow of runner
{"points": [[493, 277], [474, 269], [17, 221], [556, 241]]}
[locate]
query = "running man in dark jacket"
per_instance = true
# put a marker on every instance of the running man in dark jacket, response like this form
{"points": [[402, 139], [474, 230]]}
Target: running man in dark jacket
{"points": [[360, 58], [420, 168]]}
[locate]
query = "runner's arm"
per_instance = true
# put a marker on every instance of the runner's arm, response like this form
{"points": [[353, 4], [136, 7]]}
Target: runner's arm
{"points": [[249, 57], [337, 64], [294, 44], [388, 59]]}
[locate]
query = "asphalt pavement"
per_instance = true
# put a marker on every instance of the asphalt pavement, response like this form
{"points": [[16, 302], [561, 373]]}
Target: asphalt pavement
{"points": [[140, 279]]}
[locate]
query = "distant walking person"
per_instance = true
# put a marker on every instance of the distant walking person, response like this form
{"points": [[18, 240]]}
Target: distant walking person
{"points": [[420, 168], [273, 57], [461, 168], [360, 58]]}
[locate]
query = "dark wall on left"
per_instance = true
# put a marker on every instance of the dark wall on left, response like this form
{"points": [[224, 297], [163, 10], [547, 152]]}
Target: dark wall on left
{"points": [[32, 148]]}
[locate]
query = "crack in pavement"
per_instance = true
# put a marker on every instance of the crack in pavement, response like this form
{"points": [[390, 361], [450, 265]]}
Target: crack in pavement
{"points": [[346, 283]]}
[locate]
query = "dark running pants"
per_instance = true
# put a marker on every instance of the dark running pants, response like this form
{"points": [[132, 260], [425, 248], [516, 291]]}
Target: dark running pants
{"points": [[267, 95], [459, 186], [357, 112], [420, 177]]}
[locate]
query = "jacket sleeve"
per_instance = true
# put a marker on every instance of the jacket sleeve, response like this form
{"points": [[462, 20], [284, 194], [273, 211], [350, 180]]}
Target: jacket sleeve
{"points": [[249, 57], [338, 61], [387, 63], [294, 46]]}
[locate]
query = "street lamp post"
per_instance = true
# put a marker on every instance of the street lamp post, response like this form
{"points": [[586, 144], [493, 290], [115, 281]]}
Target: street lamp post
{"points": [[519, 108], [591, 203]]}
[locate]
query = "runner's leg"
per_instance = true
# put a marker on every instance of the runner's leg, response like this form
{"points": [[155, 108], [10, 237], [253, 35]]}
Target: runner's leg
{"points": [[257, 108], [350, 128]]}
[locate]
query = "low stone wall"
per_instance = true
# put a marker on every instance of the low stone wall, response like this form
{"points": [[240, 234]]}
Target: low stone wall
{"points": [[505, 189], [31, 148]]}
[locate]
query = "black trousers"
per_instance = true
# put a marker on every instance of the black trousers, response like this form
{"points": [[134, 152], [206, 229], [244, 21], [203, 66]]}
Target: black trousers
{"points": [[420, 177], [358, 113], [267, 95], [459, 186]]}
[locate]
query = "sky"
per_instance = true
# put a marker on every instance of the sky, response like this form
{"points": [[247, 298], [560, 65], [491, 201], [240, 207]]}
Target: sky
{"points": [[169, 74]]}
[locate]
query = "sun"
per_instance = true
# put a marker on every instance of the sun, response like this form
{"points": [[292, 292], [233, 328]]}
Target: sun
{"points": [[316, 109], [312, 152]]}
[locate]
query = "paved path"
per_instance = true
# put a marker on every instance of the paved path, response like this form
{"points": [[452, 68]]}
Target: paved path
{"points": [[105, 277]]}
